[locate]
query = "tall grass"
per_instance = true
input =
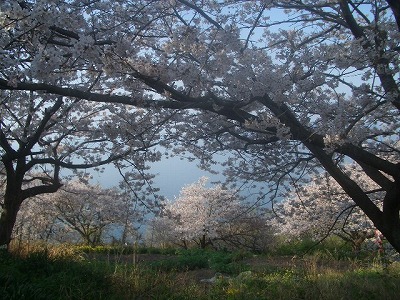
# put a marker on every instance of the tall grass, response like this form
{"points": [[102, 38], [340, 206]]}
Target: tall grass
{"points": [[364, 283], [67, 273], [39, 276]]}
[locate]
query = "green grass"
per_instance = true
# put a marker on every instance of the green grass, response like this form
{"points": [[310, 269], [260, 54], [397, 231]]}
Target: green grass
{"points": [[108, 249], [334, 246], [219, 261], [68, 275], [366, 283], [39, 277]]}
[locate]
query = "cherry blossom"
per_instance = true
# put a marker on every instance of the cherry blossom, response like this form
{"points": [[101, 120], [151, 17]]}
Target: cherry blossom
{"points": [[79, 213], [42, 134], [210, 216], [287, 88], [322, 208]]}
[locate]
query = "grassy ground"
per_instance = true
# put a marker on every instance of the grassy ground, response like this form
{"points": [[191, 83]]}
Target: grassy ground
{"points": [[109, 273]]}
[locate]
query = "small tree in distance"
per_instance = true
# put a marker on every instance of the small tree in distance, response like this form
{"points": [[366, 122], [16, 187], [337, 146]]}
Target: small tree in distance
{"points": [[78, 212], [210, 217]]}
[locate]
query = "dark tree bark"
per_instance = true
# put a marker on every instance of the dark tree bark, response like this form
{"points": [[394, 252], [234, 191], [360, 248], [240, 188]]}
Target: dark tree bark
{"points": [[395, 6], [13, 198], [11, 205]]}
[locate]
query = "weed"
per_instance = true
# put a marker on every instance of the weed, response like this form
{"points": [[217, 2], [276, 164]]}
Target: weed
{"points": [[44, 275]]}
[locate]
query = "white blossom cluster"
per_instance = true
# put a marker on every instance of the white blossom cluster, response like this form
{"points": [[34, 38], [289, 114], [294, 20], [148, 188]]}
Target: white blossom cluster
{"points": [[206, 216], [322, 208], [77, 213]]}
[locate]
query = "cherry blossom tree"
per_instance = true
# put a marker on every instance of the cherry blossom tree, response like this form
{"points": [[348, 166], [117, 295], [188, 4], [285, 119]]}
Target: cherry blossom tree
{"points": [[36, 221], [79, 212], [209, 216], [288, 86], [160, 233], [321, 208], [42, 135]]}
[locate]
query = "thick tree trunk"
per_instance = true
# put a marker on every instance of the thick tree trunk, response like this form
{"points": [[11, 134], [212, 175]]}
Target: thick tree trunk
{"points": [[393, 237], [390, 224], [8, 217], [395, 6], [386, 221]]}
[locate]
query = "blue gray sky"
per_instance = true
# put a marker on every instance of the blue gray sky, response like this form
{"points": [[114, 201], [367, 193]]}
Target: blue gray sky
{"points": [[172, 175]]}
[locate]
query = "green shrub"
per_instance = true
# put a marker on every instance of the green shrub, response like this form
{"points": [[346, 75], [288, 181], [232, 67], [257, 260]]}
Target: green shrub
{"points": [[186, 260], [223, 262], [165, 251], [334, 246], [39, 277]]}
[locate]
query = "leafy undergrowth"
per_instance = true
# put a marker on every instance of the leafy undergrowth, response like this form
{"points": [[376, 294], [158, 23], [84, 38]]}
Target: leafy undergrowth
{"points": [[38, 276], [108, 249], [45, 275], [183, 260]]}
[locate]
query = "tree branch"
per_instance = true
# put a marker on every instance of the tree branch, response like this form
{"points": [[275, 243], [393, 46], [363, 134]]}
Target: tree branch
{"points": [[201, 12]]}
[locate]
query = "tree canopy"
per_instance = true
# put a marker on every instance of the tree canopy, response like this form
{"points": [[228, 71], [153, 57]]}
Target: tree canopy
{"points": [[289, 86]]}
